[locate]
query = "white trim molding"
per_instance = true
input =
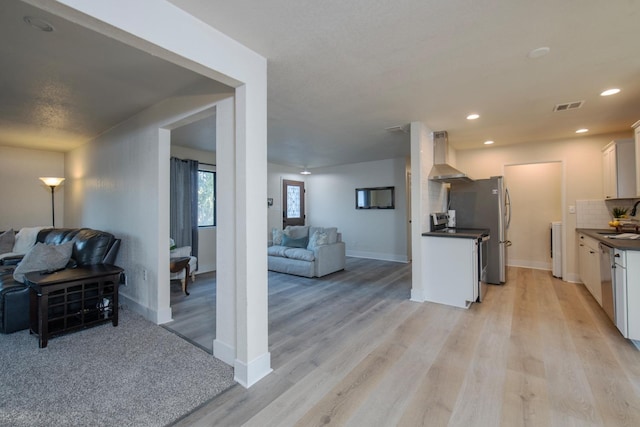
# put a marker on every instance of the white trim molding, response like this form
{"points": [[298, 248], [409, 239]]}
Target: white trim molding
{"points": [[248, 375]]}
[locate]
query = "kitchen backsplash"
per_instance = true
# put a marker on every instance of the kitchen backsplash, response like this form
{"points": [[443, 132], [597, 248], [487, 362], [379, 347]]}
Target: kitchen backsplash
{"points": [[597, 213]]}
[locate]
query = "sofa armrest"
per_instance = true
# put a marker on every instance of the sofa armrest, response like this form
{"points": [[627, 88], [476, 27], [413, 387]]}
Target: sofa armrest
{"points": [[329, 258], [14, 306]]}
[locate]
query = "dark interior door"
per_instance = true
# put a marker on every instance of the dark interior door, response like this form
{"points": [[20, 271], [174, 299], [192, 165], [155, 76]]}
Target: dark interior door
{"points": [[292, 203]]}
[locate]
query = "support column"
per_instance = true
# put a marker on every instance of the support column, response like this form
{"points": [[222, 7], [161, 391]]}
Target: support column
{"points": [[253, 360], [421, 162]]}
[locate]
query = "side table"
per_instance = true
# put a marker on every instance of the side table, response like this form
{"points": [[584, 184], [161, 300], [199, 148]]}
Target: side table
{"points": [[178, 264], [72, 299]]}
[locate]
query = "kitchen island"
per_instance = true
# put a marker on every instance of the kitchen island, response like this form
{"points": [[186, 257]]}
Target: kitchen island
{"points": [[452, 266]]}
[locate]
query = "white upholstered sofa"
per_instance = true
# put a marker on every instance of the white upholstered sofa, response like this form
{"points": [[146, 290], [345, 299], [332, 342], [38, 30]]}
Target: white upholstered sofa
{"points": [[306, 251]]}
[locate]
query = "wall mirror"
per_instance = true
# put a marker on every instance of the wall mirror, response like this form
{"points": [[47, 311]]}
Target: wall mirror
{"points": [[375, 198]]}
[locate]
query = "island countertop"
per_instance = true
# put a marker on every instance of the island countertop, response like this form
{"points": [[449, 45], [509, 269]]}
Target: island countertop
{"points": [[464, 233]]}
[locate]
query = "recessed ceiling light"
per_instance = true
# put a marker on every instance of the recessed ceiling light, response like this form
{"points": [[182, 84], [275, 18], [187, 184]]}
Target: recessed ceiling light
{"points": [[538, 52], [473, 116], [583, 130], [610, 92], [38, 23], [488, 142]]}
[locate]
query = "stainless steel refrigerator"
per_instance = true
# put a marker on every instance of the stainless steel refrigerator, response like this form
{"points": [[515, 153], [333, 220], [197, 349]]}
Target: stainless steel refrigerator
{"points": [[485, 203]]}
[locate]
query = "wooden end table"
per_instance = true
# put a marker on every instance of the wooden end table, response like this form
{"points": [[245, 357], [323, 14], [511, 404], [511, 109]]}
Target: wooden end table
{"points": [[178, 264], [72, 299]]}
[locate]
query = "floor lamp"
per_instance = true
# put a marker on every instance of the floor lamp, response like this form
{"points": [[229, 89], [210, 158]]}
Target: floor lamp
{"points": [[53, 183]]}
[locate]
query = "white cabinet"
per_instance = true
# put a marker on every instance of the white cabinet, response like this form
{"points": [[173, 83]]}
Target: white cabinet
{"points": [[450, 270], [632, 293], [636, 127], [589, 265], [620, 291], [619, 169]]}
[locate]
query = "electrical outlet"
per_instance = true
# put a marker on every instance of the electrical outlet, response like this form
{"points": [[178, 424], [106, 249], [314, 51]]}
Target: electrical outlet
{"points": [[144, 274], [123, 279]]}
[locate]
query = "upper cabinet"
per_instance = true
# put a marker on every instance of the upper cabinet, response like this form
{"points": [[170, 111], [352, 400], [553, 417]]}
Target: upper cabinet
{"points": [[636, 127], [619, 169]]}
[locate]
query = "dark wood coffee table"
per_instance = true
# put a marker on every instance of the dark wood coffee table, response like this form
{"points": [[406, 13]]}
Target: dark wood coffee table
{"points": [[176, 265]]}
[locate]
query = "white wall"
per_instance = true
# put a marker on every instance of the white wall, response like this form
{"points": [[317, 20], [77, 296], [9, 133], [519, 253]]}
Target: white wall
{"points": [[206, 235], [275, 174], [582, 162], [536, 201], [242, 330], [375, 233], [114, 185], [26, 201]]}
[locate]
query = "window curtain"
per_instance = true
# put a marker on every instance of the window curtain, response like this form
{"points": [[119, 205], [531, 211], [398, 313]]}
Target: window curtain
{"points": [[183, 210]]}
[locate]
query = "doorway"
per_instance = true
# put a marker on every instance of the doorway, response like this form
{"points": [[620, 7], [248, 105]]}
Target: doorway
{"points": [[292, 203], [194, 315], [536, 201]]}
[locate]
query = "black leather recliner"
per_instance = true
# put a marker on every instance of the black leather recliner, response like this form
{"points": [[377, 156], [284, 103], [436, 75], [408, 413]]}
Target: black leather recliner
{"points": [[89, 247]]}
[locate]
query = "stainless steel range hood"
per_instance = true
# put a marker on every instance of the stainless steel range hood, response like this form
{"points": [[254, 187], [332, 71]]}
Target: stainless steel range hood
{"points": [[441, 170]]}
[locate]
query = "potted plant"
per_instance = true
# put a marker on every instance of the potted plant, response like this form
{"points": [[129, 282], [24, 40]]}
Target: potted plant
{"points": [[619, 212]]}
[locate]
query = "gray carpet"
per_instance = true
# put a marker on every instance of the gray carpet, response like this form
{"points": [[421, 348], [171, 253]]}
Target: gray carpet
{"points": [[136, 374]]}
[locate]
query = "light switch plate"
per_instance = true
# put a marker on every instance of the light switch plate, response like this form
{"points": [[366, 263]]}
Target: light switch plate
{"points": [[572, 209]]}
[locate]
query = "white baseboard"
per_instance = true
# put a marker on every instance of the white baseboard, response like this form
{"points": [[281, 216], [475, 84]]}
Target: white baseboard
{"points": [[416, 296], [378, 256], [535, 265], [248, 374], [205, 268], [566, 277], [157, 317], [224, 352], [571, 278]]}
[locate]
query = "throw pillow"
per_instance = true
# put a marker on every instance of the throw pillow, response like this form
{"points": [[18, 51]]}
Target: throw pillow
{"points": [[297, 231], [7, 239], [43, 257], [318, 238], [276, 236], [332, 234], [25, 239], [294, 243]]}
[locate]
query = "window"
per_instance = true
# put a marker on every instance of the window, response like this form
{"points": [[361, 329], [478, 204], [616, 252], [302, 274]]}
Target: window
{"points": [[206, 198]]}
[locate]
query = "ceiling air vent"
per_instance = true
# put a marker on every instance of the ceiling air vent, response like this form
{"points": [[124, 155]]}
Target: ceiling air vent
{"points": [[399, 129], [568, 106]]}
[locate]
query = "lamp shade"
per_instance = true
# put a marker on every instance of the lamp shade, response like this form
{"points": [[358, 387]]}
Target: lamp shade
{"points": [[51, 181]]}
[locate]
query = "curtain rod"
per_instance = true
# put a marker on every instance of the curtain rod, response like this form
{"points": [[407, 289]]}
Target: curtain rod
{"points": [[199, 162]]}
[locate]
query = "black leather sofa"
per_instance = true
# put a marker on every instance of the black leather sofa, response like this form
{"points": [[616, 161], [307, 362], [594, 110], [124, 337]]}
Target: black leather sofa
{"points": [[90, 247]]}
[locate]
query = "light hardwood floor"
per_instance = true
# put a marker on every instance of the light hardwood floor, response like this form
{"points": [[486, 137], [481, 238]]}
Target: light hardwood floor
{"points": [[194, 315], [350, 349]]}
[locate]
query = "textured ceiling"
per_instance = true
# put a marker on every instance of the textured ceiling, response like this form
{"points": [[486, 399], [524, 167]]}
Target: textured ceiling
{"points": [[339, 73], [60, 89]]}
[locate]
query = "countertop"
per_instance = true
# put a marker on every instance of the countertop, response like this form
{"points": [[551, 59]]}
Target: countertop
{"points": [[599, 235], [464, 233]]}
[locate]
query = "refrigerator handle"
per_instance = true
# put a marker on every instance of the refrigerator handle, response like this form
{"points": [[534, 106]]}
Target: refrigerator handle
{"points": [[507, 206]]}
